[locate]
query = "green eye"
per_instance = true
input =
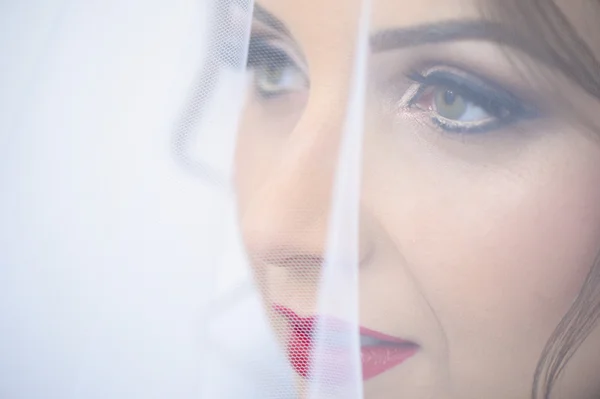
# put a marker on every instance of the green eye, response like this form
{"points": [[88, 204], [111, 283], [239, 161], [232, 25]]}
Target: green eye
{"points": [[276, 78], [270, 75], [274, 71], [448, 104], [458, 102]]}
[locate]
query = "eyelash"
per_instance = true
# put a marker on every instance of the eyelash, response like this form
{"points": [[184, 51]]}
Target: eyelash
{"points": [[260, 53], [500, 104], [503, 107]]}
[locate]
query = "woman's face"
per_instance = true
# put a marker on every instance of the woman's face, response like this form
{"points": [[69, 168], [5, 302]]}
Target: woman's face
{"points": [[479, 208]]}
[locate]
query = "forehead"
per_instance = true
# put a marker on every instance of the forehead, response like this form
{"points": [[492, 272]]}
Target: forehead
{"points": [[331, 15]]}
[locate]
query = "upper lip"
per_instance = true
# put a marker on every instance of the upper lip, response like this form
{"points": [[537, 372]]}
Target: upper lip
{"points": [[307, 324]]}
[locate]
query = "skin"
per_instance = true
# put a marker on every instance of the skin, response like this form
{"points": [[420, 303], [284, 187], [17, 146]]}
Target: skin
{"points": [[471, 245]]}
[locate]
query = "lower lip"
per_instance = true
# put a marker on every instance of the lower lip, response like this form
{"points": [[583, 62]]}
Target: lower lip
{"points": [[379, 359], [375, 359]]}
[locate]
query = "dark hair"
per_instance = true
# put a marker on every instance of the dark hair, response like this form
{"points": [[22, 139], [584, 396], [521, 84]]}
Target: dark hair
{"points": [[563, 47]]}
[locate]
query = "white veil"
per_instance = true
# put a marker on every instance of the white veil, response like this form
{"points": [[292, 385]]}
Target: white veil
{"points": [[186, 210], [124, 273]]}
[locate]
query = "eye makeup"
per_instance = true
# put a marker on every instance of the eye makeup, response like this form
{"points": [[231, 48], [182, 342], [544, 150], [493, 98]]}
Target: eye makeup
{"points": [[497, 106]]}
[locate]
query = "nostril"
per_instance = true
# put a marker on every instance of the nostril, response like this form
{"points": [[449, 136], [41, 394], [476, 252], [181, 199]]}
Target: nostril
{"points": [[289, 257], [296, 259], [303, 261]]}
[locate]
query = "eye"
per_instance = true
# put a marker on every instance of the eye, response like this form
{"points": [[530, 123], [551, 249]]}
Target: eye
{"points": [[458, 103], [274, 72], [275, 79]]}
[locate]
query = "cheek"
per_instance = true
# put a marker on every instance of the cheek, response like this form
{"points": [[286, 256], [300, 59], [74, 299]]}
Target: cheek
{"points": [[498, 254], [258, 143], [261, 141], [511, 262]]}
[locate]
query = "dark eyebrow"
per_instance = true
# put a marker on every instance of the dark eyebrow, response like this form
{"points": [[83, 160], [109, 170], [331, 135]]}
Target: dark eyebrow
{"points": [[445, 31], [263, 16], [437, 32]]}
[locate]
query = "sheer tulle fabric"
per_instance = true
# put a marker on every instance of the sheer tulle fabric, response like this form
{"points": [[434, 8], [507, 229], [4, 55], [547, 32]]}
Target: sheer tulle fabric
{"points": [[125, 271]]}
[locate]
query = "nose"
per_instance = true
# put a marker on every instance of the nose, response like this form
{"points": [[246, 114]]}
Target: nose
{"points": [[286, 220]]}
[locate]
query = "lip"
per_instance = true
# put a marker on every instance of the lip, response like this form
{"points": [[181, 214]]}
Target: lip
{"points": [[375, 358]]}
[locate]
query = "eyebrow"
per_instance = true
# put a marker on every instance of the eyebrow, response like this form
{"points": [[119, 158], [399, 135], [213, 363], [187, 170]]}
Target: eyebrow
{"points": [[446, 31], [263, 16], [433, 33]]}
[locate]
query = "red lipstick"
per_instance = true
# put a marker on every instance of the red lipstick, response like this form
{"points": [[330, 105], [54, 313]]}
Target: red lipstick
{"points": [[379, 352]]}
